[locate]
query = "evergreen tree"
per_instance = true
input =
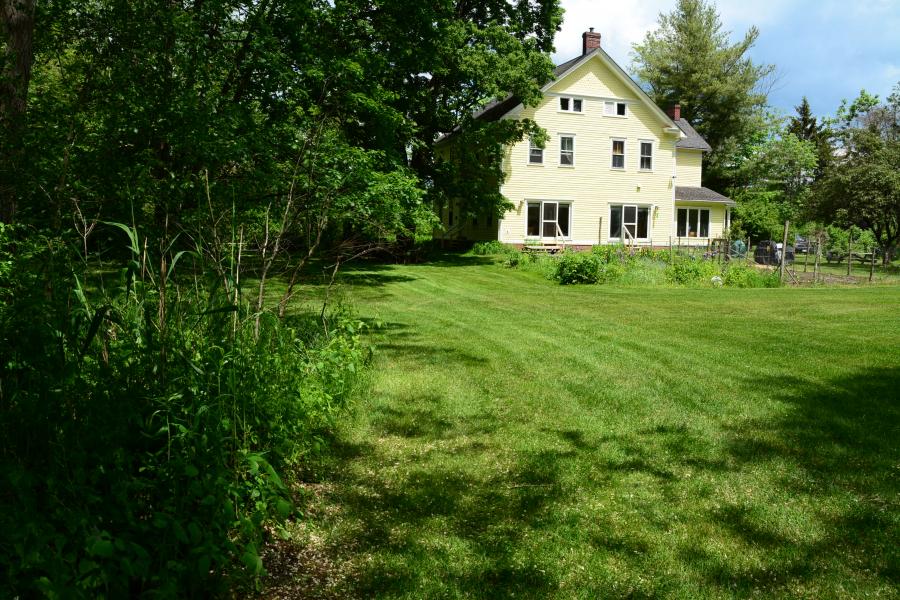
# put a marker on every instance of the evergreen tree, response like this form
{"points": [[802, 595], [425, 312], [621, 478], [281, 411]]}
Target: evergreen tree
{"points": [[806, 127], [689, 60]]}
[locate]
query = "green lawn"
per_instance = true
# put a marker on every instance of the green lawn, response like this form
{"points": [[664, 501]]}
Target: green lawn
{"points": [[524, 439], [882, 274]]}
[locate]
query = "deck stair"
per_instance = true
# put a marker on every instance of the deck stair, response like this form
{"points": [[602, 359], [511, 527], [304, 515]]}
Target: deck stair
{"points": [[543, 248]]}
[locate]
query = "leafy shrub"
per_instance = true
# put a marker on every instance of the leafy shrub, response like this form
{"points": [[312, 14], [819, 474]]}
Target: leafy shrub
{"points": [[686, 271], [176, 415], [742, 275], [516, 259], [578, 267], [491, 247]]}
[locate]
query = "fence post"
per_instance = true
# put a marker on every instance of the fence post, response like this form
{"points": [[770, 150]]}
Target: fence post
{"points": [[849, 252], [806, 256], [818, 254], [671, 252], [783, 252], [747, 250], [872, 266]]}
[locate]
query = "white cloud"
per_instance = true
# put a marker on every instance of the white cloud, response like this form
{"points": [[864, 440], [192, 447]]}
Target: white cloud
{"points": [[625, 23]]}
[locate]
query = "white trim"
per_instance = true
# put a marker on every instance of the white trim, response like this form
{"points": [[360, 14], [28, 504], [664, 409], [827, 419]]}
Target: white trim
{"points": [[541, 202], [641, 155], [623, 76], [637, 206], [591, 97], [528, 155], [571, 100], [559, 155], [687, 222], [612, 141]]}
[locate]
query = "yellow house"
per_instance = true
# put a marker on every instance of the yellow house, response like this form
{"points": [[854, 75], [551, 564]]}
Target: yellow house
{"points": [[615, 169]]}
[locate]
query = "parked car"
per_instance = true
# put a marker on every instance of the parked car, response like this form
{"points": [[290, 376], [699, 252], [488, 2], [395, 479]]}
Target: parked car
{"points": [[801, 245], [768, 252]]}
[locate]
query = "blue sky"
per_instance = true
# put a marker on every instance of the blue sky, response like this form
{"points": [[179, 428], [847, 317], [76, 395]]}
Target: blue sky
{"points": [[824, 49]]}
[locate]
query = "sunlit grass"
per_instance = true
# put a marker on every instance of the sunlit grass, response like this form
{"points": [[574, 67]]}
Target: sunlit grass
{"points": [[521, 438]]}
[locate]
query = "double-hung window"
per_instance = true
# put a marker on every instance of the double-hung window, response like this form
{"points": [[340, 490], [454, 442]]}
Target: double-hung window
{"points": [[618, 154], [615, 109], [571, 104], [567, 150], [646, 156], [629, 222], [693, 222], [548, 219], [535, 153]]}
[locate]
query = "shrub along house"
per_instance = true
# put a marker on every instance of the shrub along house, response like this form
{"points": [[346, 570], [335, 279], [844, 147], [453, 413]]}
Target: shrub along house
{"points": [[615, 169]]}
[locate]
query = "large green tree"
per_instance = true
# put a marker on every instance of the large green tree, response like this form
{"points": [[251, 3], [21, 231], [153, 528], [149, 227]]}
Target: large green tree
{"points": [[442, 61], [862, 185], [805, 126], [690, 60], [772, 179]]}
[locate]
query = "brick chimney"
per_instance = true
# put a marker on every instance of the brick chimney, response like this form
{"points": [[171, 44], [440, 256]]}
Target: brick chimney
{"points": [[674, 112], [590, 41]]}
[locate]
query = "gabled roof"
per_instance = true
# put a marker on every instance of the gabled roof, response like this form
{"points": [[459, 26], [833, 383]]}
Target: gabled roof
{"points": [[700, 194], [692, 139]]}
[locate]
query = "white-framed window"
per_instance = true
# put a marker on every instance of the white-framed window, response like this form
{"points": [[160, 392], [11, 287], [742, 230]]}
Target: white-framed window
{"points": [[615, 109], [692, 222], [629, 221], [568, 104], [646, 156], [535, 153], [567, 150], [548, 219], [618, 153]]}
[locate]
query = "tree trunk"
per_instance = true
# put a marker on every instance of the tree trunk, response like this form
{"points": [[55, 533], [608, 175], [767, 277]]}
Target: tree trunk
{"points": [[16, 57]]}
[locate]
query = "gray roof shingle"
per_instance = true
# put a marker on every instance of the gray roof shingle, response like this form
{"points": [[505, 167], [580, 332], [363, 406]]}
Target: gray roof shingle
{"points": [[700, 194], [693, 141]]}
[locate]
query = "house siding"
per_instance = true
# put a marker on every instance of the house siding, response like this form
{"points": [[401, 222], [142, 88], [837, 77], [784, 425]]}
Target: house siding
{"points": [[689, 169], [592, 185]]}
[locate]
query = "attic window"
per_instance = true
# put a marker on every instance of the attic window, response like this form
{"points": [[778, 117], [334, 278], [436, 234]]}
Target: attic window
{"points": [[570, 105], [615, 109]]}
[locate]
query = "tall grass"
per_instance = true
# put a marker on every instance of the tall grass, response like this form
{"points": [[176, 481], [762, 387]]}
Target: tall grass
{"points": [[145, 426]]}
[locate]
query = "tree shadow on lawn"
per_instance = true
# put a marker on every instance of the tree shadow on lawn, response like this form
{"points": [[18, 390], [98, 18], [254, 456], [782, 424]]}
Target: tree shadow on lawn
{"points": [[374, 272], [427, 526], [838, 448]]}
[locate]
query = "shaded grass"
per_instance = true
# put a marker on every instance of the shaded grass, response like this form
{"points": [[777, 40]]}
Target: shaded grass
{"points": [[524, 439]]}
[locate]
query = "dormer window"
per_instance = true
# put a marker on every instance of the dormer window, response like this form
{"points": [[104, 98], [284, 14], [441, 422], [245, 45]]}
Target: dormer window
{"points": [[615, 109], [570, 105]]}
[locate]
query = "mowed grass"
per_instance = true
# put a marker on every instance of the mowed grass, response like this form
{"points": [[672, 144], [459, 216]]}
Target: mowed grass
{"points": [[524, 439]]}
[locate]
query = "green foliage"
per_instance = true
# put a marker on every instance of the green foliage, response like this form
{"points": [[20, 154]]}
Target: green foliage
{"points": [[773, 174], [759, 214], [492, 247], [578, 267], [838, 239], [805, 127], [146, 425], [517, 258], [690, 60], [687, 271], [862, 186], [742, 275]]}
